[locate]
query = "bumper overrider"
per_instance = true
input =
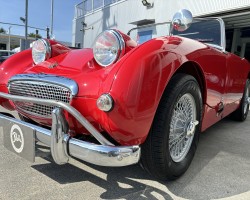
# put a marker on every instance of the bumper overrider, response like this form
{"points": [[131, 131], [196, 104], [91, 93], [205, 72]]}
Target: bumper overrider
{"points": [[62, 146]]}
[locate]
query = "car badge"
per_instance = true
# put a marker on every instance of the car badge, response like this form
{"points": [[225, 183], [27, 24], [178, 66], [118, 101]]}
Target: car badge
{"points": [[17, 139], [53, 65]]}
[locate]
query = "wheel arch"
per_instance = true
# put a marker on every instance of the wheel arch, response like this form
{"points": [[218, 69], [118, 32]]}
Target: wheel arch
{"points": [[136, 106], [194, 69]]}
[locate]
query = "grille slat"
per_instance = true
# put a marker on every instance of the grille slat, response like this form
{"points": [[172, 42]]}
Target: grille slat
{"points": [[42, 90]]}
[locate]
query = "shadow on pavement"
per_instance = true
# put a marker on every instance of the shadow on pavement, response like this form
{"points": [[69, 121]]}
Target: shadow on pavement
{"points": [[220, 169], [119, 182]]}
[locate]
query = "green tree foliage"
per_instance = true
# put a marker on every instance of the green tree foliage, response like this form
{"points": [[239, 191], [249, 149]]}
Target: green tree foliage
{"points": [[2, 30], [34, 35]]}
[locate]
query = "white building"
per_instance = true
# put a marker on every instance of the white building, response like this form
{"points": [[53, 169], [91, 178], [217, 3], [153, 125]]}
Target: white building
{"points": [[94, 16], [9, 41]]}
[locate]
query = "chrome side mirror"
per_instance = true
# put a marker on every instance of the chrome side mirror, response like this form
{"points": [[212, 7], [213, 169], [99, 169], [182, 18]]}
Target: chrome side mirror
{"points": [[182, 20]]}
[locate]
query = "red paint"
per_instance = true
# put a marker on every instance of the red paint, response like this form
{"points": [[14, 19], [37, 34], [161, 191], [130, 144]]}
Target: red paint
{"points": [[137, 81]]}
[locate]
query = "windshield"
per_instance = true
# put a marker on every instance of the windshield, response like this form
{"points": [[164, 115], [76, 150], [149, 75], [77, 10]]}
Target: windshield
{"points": [[144, 33], [203, 30]]}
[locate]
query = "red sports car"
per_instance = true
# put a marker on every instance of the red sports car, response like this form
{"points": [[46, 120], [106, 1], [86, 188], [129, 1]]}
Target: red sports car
{"points": [[121, 103]]}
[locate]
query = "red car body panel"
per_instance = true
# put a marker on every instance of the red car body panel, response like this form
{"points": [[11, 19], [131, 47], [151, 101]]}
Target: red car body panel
{"points": [[136, 82]]}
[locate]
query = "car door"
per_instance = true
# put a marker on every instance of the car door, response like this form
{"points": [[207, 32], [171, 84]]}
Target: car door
{"points": [[214, 64], [235, 83]]}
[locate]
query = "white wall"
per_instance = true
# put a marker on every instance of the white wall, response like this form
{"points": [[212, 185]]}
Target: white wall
{"points": [[121, 14]]}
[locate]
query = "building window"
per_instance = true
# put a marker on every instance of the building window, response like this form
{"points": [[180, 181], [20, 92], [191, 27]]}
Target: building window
{"points": [[97, 4], [87, 6], [91, 5], [107, 2], [144, 36]]}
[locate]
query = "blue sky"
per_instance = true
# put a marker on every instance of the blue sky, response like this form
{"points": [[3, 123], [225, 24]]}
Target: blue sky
{"points": [[39, 14]]}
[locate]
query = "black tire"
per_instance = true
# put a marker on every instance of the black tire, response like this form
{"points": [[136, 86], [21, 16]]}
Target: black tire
{"points": [[241, 113], [156, 156]]}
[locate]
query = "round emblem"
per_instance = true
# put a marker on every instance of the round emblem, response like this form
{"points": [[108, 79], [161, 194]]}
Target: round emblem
{"points": [[16, 138]]}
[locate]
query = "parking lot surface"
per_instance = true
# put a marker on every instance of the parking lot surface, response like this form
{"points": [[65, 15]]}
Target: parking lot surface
{"points": [[220, 170]]}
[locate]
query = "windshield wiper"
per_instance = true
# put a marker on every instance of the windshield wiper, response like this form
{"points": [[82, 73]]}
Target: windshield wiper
{"points": [[205, 40]]}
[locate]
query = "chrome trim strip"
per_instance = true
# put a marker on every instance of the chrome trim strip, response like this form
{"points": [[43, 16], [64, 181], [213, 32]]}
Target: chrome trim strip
{"points": [[66, 107], [48, 48], [223, 34], [121, 44], [47, 78], [96, 154]]}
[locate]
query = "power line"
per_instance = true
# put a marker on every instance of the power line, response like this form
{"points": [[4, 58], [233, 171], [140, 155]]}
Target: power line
{"points": [[23, 26]]}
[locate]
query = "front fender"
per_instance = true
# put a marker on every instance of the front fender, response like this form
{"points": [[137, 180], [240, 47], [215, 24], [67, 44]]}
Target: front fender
{"points": [[138, 87], [16, 64]]}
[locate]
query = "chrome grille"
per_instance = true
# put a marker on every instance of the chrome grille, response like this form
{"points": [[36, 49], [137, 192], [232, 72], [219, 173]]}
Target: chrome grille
{"points": [[42, 90]]}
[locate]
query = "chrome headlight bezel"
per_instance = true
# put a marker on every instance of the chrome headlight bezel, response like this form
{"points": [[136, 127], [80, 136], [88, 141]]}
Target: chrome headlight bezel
{"points": [[42, 54], [106, 55]]}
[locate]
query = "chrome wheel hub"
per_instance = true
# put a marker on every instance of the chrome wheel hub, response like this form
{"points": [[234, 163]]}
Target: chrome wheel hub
{"points": [[191, 128], [182, 127], [246, 100]]}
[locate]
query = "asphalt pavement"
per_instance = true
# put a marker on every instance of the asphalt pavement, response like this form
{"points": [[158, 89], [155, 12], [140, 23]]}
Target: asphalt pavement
{"points": [[220, 170]]}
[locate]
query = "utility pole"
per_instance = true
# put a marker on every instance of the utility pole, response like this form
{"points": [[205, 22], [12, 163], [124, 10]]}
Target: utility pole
{"points": [[47, 33], [52, 18], [9, 39], [26, 24]]}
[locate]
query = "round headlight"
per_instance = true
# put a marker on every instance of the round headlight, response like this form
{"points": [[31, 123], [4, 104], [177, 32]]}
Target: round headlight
{"points": [[108, 48], [41, 51]]}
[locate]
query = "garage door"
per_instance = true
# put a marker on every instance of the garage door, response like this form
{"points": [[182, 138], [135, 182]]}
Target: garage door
{"points": [[237, 31]]}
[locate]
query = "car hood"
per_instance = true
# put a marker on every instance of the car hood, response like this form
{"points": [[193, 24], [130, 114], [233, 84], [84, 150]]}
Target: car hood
{"points": [[78, 65]]}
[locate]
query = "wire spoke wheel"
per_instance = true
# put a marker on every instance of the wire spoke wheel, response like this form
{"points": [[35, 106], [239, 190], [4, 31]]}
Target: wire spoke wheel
{"points": [[241, 113], [182, 127], [173, 138]]}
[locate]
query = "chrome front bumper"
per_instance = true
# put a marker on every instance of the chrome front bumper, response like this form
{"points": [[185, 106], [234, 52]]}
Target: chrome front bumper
{"points": [[63, 147]]}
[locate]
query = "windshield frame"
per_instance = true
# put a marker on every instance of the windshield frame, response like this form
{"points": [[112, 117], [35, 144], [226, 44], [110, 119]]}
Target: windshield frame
{"points": [[222, 45], [150, 25]]}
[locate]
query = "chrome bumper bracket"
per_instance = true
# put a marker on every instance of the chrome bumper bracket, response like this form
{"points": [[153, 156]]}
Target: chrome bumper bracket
{"points": [[63, 147], [59, 137]]}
